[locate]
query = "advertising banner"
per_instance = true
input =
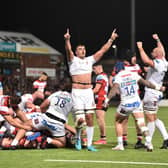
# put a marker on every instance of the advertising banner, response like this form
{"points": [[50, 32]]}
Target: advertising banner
{"points": [[35, 72]]}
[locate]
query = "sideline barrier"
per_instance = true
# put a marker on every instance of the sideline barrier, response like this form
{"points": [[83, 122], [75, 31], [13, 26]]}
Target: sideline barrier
{"points": [[163, 103]]}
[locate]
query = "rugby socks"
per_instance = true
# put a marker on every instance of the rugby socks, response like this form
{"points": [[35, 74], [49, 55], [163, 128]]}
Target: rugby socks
{"points": [[120, 140], [3, 129], [124, 137], [89, 132], [14, 142], [103, 137], [161, 127], [139, 137], [151, 127], [148, 140], [49, 140]]}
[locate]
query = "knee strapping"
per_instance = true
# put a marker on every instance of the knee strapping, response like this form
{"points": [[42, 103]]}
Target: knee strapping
{"points": [[144, 129], [141, 124], [80, 119], [140, 121]]}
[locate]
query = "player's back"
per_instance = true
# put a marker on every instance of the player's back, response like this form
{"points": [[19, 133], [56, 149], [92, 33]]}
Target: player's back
{"points": [[60, 104], [133, 68], [128, 85]]}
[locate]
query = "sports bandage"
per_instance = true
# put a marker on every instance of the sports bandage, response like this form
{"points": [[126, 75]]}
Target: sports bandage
{"points": [[141, 123], [79, 115], [144, 129]]}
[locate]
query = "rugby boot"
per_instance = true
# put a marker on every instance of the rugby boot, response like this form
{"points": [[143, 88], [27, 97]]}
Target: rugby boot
{"points": [[78, 145], [164, 145], [92, 148], [119, 148], [139, 145], [100, 142]]}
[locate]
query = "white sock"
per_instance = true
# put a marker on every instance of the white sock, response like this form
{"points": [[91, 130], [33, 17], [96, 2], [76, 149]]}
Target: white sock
{"points": [[49, 140], [120, 140], [28, 133], [14, 142], [151, 127], [148, 140], [3, 129], [89, 132], [161, 127]]}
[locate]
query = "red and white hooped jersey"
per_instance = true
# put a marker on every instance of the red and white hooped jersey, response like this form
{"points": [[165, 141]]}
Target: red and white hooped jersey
{"points": [[39, 85], [102, 79], [133, 68], [24, 99], [4, 105]]}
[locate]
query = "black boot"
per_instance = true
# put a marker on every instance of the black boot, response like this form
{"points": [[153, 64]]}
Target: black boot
{"points": [[165, 144], [139, 145]]}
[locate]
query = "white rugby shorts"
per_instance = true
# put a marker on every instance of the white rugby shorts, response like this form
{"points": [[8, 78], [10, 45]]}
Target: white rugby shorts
{"points": [[43, 122], [83, 99], [127, 109], [151, 102]]}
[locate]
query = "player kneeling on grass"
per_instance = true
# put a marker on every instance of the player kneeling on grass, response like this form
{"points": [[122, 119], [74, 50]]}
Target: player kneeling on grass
{"points": [[126, 84], [55, 110]]}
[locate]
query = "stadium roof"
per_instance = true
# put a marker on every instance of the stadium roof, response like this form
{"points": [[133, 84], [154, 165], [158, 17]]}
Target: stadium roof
{"points": [[24, 43]]}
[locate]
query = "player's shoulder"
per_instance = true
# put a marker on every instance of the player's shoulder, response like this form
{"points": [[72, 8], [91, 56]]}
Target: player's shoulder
{"points": [[160, 61], [61, 93], [100, 77], [160, 64], [123, 72], [26, 95]]}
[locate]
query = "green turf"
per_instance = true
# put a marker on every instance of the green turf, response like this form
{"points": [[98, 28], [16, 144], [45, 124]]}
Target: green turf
{"points": [[36, 158]]}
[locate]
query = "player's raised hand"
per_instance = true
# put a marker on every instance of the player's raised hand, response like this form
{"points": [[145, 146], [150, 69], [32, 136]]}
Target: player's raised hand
{"points": [[114, 35], [139, 44], [67, 35], [155, 36]]}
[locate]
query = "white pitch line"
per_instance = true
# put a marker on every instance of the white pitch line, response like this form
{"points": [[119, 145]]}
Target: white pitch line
{"points": [[104, 161], [111, 126], [108, 126]]}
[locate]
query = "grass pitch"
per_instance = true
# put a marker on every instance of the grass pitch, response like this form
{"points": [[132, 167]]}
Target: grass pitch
{"points": [[105, 157]]}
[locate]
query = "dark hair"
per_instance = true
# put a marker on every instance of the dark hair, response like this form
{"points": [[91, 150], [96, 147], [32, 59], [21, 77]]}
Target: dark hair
{"points": [[127, 54], [79, 45], [118, 67], [38, 101], [44, 73]]}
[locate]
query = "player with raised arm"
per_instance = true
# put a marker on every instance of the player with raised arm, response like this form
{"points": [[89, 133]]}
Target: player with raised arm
{"points": [[156, 72], [80, 68], [126, 84]]}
